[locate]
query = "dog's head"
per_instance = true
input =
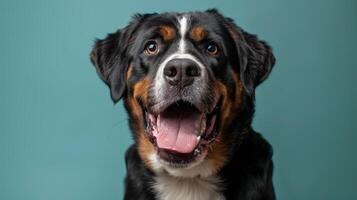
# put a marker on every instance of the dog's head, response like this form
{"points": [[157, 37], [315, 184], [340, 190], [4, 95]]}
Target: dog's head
{"points": [[188, 81]]}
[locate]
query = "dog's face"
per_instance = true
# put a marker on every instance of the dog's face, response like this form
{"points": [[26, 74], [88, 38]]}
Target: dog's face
{"points": [[186, 79]]}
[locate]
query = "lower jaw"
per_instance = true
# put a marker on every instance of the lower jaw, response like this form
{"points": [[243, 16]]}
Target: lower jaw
{"points": [[176, 160], [185, 160], [173, 160]]}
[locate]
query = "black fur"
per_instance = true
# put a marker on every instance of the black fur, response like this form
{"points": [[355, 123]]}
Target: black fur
{"points": [[256, 59], [248, 172]]}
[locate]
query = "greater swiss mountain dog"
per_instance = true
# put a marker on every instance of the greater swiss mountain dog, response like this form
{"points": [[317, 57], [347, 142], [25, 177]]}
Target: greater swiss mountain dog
{"points": [[188, 83]]}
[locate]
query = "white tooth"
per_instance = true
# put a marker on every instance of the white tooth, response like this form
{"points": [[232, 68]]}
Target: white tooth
{"points": [[198, 138], [197, 151]]}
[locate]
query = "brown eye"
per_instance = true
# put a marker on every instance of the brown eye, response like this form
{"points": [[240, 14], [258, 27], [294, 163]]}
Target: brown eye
{"points": [[212, 48], [151, 48]]}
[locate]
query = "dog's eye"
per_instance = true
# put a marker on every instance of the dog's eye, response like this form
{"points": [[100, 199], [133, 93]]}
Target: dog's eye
{"points": [[151, 48], [212, 48]]}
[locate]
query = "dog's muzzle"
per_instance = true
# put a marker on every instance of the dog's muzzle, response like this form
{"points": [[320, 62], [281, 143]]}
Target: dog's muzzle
{"points": [[183, 117]]}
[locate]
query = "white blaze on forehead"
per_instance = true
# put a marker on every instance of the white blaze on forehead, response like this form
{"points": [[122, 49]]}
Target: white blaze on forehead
{"points": [[183, 29]]}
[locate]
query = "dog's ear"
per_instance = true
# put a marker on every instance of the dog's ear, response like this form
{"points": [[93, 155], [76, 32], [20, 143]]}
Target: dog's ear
{"points": [[256, 60], [110, 57], [255, 56]]}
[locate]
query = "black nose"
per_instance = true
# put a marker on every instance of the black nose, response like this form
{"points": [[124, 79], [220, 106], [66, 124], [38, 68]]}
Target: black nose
{"points": [[181, 72]]}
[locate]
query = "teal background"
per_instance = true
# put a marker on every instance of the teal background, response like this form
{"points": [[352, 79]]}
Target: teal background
{"points": [[62, 138]]}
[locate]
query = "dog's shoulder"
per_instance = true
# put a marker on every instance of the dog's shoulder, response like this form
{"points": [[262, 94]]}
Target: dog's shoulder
{"points": [[198, 188], [138, 179], [250, 165], [256, 147]]}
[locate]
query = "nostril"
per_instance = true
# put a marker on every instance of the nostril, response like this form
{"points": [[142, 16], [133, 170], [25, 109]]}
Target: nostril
{"points": [[193, 71], [170, 71], [181, 72]]}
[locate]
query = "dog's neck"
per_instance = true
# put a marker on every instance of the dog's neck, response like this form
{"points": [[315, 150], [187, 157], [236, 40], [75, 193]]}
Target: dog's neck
{"points": [[169, 187], [196, 183]]}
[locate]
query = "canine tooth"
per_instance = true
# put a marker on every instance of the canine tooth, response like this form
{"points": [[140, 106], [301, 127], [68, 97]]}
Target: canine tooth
{"points": [[198, 138], [197, 151]]}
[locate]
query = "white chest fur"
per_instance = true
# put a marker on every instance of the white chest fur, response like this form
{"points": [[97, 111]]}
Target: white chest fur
{"points": [[173, 188]]}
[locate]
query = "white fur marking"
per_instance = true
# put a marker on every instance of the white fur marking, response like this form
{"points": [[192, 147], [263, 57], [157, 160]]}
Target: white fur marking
{"points": [[173, 188], [201, 168], [183, 30]]}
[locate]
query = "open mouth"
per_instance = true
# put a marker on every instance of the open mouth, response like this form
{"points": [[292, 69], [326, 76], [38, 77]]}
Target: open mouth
{"points": [[181, 132]]}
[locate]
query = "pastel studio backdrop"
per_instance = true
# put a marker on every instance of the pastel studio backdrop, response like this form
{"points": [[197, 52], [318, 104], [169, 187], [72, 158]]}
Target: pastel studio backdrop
{"points": [[61, 137]]}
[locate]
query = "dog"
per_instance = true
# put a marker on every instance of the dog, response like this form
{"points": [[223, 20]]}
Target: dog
{"points": [[188, 84]]}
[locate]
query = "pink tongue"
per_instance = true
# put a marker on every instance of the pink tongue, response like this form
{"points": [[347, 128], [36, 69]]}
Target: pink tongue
{"points": [[176, 130]]}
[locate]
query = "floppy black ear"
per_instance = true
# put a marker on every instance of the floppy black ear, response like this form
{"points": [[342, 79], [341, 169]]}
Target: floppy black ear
{"points": [[255, 56], [256, 60], [111, 60], [105, 58]]}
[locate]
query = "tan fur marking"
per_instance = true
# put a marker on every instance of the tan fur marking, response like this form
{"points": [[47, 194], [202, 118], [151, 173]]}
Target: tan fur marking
{"points": [[140, 91], [129, 72], [145, 149], [217, 154], [167, 32], [198, 33]]}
